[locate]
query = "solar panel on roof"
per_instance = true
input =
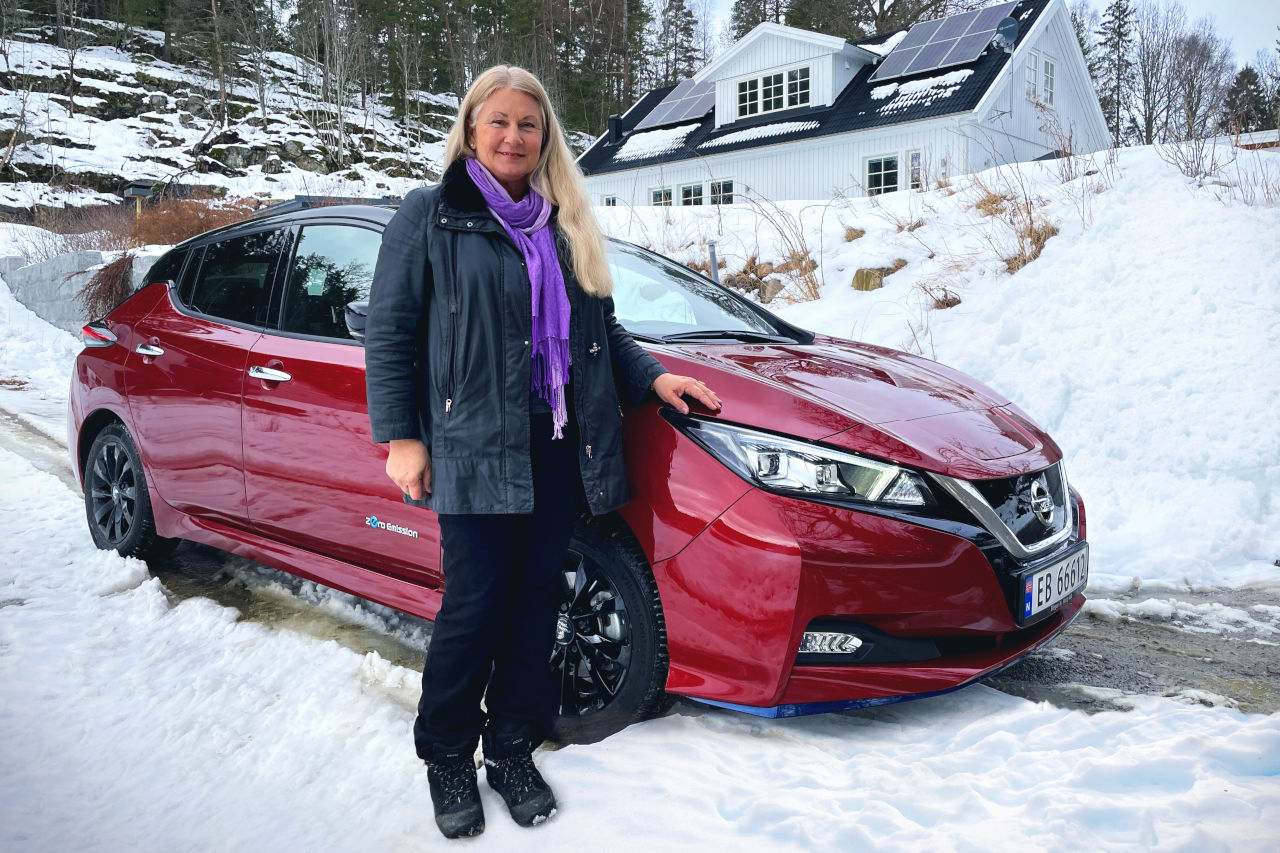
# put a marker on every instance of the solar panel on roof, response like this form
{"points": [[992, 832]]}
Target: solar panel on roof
{"points": [[686, 101], [955, 26], [930, 56], [956, 40], [895, 63], [920, 34]]}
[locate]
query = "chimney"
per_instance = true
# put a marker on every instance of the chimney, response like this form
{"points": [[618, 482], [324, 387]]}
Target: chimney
{"points": [[615, 129]]}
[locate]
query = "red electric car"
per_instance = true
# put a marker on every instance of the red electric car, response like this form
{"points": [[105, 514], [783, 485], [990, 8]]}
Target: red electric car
{"points": [[856, 526]]}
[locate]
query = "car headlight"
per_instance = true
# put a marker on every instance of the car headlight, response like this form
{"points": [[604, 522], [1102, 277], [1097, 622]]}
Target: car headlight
{"points": [[794, 467]]}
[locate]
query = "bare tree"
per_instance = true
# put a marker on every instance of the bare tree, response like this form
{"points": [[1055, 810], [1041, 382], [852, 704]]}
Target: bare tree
{"points": [[255, 28], [1160, 27], [1202, 69]]}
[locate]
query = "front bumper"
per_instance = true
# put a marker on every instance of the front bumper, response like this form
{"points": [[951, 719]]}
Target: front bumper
{"points": [[738, 598]]}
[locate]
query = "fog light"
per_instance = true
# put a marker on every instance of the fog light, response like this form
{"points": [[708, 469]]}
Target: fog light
{"points": [[829, 642]]}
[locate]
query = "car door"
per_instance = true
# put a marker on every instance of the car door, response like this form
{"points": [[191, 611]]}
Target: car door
{"points": [[187, 371], [313, 475]]}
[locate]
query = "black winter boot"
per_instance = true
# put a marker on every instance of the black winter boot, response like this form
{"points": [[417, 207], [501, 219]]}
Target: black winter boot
{"points": [[508, 767], [455, 796]]}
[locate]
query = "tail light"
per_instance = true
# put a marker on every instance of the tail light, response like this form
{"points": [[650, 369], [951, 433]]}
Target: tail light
{"points": [[96, 334]]}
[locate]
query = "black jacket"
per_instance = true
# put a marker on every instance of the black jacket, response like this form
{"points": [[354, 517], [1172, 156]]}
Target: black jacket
{"points": [[447, 356]]}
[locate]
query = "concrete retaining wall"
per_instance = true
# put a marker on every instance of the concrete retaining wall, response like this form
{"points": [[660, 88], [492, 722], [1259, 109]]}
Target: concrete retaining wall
{"points": [[50, 288]]}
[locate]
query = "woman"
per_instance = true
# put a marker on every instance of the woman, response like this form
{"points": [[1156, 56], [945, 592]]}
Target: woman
{"points": [[491, 352]]}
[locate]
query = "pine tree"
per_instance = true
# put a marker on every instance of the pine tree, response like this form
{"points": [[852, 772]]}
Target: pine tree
{"points": [[1246, 106], [1115, 63], [746, 15], [825, 16], [677, 55]]}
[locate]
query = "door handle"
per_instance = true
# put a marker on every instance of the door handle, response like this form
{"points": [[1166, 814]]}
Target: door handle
{"points": [[268, 374], [148, 350]]}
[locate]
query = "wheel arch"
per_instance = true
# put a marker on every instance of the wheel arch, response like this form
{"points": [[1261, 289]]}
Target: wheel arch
{"points": [[96, 422]]}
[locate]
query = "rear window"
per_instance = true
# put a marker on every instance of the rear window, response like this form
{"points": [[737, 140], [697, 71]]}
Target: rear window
{"points": [[235, 277], [167, 268]]}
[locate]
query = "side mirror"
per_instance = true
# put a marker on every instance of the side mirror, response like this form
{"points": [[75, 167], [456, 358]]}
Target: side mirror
{"points": [[356, 315]]}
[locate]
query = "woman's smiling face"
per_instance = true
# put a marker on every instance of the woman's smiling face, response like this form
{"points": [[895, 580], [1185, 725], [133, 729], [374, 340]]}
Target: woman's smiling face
{"points": [[507, 138]]}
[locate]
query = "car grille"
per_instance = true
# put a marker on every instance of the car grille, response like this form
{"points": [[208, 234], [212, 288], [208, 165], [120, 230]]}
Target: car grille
{"points": [[1033, 506], [1027, 513]]}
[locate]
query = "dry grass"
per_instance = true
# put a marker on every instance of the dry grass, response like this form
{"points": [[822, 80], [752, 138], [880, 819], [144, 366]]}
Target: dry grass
{"points": [[910, 226], [108, 228], [108, 287], [1033, 231], [851, 233], [992, 203], [898, 263], [13, 382], [171, 221]]}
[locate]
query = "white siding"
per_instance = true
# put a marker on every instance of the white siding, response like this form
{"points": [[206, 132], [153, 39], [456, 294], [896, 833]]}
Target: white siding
{"points": [[832, 165], [1011, 127], [771, 51]]}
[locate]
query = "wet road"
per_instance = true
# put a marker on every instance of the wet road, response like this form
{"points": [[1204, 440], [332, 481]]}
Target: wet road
{"points": [[1180, 646]]}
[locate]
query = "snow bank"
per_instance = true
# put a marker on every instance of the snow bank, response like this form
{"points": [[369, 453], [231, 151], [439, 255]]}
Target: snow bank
{"points": [[131, 722]]}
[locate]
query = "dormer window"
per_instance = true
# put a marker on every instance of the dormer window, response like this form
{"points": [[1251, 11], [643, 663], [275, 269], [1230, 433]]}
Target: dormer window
{"points": [[748, 97], [798, 87], [769, 93]]}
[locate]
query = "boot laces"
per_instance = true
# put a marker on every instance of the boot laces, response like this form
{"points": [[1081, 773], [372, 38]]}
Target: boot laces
{"points": [[455, 778], [519, 775]]}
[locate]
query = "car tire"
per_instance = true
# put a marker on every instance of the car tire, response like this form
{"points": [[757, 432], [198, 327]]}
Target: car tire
{"points": [[117, 503], [612, 667]]}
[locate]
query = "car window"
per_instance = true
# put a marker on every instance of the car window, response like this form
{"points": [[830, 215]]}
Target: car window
{"points": [[656, 297], [235, 277], [167, 267], [333, 265]]}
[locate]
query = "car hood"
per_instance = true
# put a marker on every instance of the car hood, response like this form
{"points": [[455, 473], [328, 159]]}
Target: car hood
{"points": [[874, 400]]}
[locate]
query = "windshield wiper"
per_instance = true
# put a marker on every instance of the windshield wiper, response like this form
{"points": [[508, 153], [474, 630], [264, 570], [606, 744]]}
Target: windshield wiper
{"points": [[744, 335]]}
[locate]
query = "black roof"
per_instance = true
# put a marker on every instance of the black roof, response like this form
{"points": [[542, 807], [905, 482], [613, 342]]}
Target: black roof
{"points": [[854, 108]]}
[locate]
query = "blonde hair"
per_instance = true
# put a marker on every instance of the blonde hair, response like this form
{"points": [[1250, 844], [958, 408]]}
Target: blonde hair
{"points": [[556, 177]]}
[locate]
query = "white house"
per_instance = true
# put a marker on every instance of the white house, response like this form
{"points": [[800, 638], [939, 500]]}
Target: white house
{"points": [[790, 114]]}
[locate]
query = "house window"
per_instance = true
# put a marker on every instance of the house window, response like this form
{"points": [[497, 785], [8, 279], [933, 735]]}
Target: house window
{"points": [[915, 170], [882, 175], [661, 196], [691, 194], [1050, 72], [722, 192], [610, 201], [748, 97], [1033, 76], [798, 87], [772, 92]]}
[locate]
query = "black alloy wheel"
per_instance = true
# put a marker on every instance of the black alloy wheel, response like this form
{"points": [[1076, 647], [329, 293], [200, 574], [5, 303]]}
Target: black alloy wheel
{"points": [[116, 501], [610, 655]]}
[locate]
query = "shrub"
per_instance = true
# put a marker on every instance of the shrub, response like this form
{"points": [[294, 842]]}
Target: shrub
{"points": [[108, 287], [851, 233]]}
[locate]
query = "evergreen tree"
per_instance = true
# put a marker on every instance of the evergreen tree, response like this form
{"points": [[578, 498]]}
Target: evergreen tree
{"points": [[1115, 63], [677, 54], [1246, 107], [746, 15], [827, 17]]}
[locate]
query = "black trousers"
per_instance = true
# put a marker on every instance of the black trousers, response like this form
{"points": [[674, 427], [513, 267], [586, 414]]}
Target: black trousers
{"points": [[496, 626]]}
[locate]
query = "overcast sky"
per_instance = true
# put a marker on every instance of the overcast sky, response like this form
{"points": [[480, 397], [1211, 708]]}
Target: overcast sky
{"points": [[1250, 24]]}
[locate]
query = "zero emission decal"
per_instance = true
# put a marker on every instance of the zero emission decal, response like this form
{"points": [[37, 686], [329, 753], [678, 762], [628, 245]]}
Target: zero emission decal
{"points": [[377, 524]]}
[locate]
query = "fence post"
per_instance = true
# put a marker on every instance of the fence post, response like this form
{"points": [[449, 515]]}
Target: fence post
{"points": [[715, 265]]}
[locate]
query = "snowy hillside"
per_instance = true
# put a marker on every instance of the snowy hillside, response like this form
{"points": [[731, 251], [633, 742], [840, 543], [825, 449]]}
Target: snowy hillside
{"points": [[136, 117]]}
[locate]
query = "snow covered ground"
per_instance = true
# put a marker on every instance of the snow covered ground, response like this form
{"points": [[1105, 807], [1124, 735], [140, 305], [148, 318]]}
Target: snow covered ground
{"points": [[1144, 342]]}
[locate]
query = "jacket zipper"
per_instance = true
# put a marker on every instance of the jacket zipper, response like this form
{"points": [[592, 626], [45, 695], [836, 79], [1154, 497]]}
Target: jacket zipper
{"points": [[453, 336]]}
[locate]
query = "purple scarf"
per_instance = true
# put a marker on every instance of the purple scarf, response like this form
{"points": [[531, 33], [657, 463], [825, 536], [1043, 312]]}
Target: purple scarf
{"points": [[528, 223]]}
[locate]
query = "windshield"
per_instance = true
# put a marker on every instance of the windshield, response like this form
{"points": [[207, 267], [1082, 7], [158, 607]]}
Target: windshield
{"points": [[655, 298]]}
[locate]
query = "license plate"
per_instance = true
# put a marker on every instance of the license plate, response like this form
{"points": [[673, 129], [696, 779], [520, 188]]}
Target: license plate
{"points": [[1056, 584]]}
